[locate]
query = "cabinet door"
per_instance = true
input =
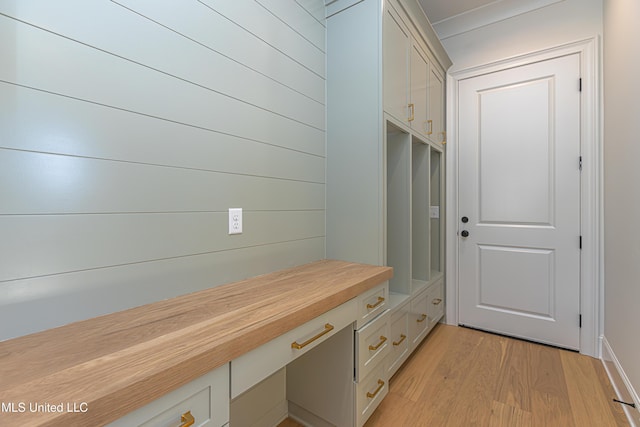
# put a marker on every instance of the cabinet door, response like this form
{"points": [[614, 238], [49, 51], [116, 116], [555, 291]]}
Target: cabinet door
{"points": [[399, 337], [436, 106], [418, 318], [435, 309], [419, 92], [395, 58], [205, 399]]}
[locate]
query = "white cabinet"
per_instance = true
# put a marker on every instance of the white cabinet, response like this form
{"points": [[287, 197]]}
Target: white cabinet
{"points": [[413, 86], [372, 346], [251, 368], [399, 337], [396, 42], [385, 162], [419, 106], [372, 303], [436, 131], [204, 400], [418, 318], [370, 392], [327, 371], [435, 302]]}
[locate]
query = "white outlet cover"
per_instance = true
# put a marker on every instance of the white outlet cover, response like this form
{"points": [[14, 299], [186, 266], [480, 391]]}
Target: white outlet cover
{"points": [[235, 220], [434, 212]]}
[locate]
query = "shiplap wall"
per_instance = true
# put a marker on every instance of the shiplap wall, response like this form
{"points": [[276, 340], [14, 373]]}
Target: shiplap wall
{"points": [[127, 130]]}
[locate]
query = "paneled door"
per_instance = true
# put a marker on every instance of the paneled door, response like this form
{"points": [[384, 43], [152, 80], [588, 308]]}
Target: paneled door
{"points": [[519, 201]]}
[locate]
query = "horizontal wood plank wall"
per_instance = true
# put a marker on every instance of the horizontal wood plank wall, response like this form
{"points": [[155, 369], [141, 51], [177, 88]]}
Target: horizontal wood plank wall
{"points": [[127, 130]]}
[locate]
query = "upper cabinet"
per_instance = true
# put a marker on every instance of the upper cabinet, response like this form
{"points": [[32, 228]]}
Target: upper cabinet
{"points": [[396, 54], [413, 80], [436, 129], [385, 91]]}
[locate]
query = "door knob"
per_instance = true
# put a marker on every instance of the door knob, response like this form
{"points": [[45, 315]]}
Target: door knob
{"points": [[464, 233], [465, 219]]}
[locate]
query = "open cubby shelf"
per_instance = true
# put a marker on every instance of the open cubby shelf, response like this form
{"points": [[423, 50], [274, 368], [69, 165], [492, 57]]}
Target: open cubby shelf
{"points": [[414, 227]]}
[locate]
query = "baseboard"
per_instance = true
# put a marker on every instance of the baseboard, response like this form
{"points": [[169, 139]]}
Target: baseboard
{"points": [[305, 417], [621, 384]]}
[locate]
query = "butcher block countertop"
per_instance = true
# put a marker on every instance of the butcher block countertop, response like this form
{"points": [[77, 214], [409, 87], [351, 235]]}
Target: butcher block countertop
{"points": [[119, 362]]}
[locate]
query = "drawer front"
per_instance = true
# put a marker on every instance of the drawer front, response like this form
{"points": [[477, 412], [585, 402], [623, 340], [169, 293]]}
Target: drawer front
{"points": [[206, 399], [436, 303], [399, 337], [419, 317], [251, 368], [372, 303], [372, 344], [370, 392]]}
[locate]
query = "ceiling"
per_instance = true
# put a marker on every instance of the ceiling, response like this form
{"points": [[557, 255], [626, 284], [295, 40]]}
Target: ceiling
{"points": [[439, 10], [452, 17]]}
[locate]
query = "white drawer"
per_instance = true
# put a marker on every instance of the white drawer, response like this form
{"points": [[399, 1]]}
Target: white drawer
{"points": [[372, 303], [399, 337], [435, 299], [419, 317], [372, 344], [206, 399], [251, 368], [370, 392]]}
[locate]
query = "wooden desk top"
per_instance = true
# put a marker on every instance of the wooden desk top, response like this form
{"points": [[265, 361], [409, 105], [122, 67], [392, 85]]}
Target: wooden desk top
{"points": [[119, 362]]}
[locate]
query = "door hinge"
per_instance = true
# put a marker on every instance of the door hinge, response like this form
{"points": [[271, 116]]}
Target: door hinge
{"points": [[580, 321], [580, 162], [580, 242], [580, 84]]}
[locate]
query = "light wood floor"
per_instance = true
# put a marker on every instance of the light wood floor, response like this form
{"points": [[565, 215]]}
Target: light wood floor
{"points": [[462, 377]]}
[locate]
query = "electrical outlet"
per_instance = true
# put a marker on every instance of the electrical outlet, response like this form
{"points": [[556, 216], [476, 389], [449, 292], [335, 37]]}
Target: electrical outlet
{"points": [[434, 212], [235, 220]]}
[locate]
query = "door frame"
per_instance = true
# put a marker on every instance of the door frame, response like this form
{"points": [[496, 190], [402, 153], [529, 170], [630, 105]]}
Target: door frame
{"points": [[591, 263]]}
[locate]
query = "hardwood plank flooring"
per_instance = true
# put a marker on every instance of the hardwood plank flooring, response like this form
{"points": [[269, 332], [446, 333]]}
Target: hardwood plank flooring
{"points": [[463, 377]]}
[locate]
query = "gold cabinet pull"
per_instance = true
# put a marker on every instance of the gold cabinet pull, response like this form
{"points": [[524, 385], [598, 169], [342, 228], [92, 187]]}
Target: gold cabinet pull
{"points": [[327, 328], [413, 112], [422, 318], [402, 338], [444, 137], [372, 395], [430, 122], [187, 419], [380, 301], [436, 301], [383, 340]]}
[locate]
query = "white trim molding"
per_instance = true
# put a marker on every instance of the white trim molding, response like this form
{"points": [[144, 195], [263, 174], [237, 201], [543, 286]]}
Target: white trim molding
{"points": [[621, 384], [591, 187]]}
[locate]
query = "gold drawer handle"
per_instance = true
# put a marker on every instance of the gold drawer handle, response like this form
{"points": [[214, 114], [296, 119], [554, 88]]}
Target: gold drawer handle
{"points": [[436, 301], [187, 419], [383, 340], [380, 301], [402, 338], [422, 318], [413, 112], [372, 395], [430, 122], [327, 328]]}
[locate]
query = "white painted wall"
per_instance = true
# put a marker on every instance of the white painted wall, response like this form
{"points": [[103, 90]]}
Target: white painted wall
{"points": [[128, 128], [621, 178], [559, 23]]}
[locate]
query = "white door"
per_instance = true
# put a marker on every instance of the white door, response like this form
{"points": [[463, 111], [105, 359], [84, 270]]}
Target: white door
{"points": [[519, 193]]}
